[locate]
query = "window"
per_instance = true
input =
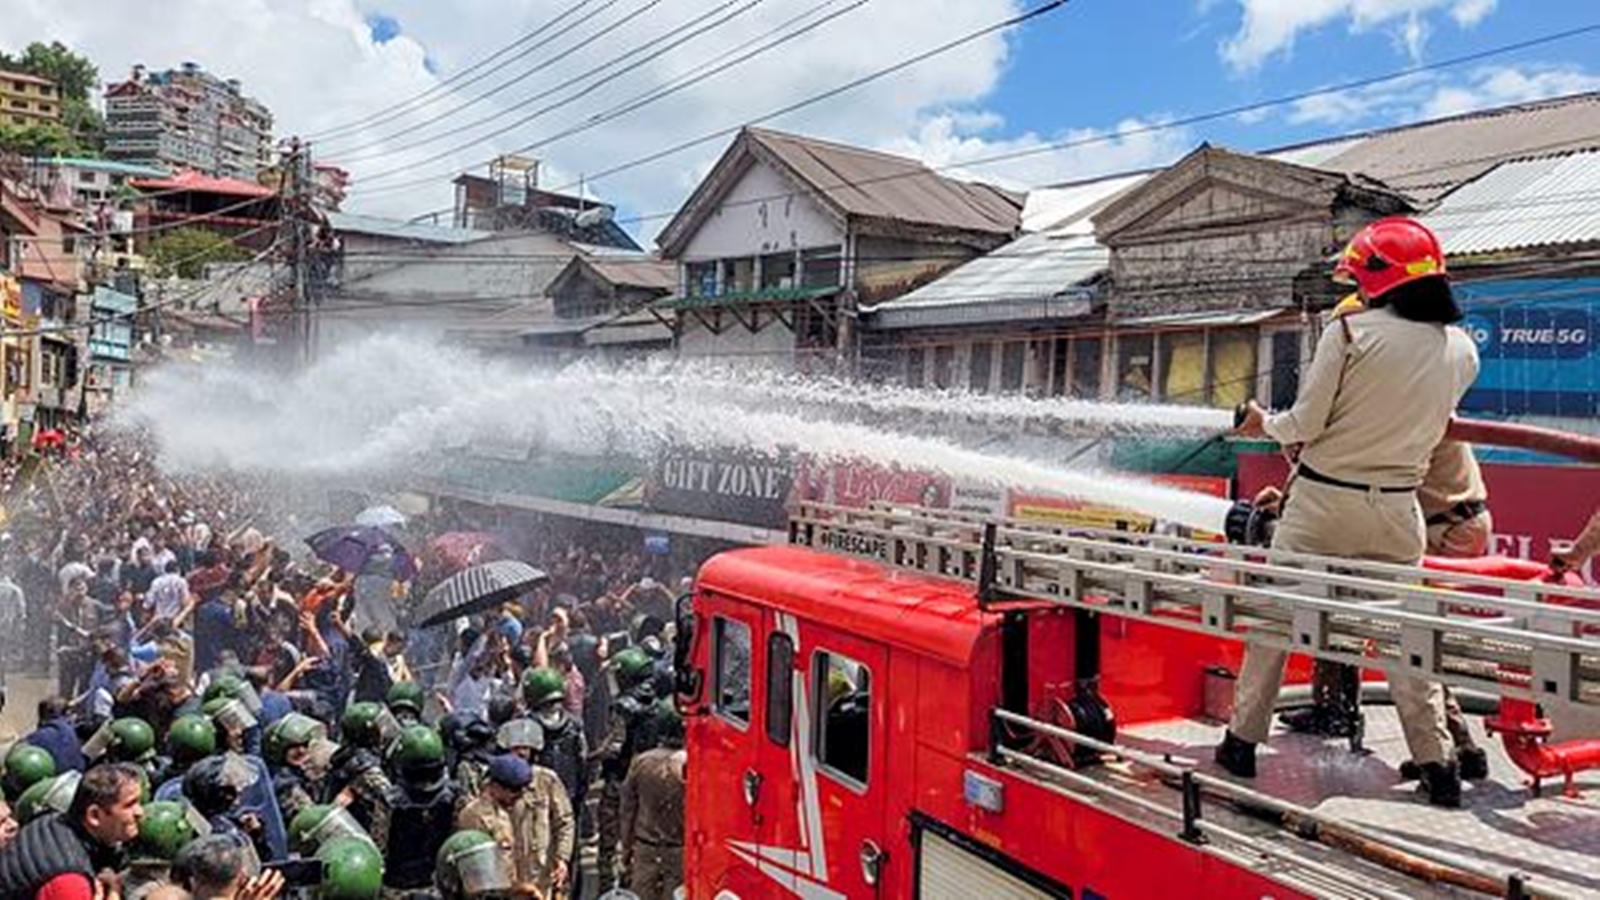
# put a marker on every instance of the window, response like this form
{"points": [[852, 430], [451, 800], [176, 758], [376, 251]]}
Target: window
{"points": [[944, 363], [701, 278], [1086, 356], [19, 104], [843, 691], [733, 670], [1013, 364], [1183, 367], [820, 267], [916, 362], [778, 271], [739, 275], [1135, 353], [978, 366], [1233, 366], [780, 688]]}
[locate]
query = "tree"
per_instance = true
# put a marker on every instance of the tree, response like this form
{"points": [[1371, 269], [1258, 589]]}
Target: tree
{"points": [[38, 139], [186, 251], [76, 77]]}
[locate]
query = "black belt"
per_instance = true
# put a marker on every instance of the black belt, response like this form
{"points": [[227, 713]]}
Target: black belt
{"points": [[1311, 474], [1465, 511]]}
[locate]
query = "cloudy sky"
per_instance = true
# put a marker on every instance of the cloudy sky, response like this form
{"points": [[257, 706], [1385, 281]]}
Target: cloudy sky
{"points": [[407, 93]]}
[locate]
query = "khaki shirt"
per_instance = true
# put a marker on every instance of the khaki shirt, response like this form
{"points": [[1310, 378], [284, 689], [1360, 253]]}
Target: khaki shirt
{"points": [[534, 835], [1374, 405], [1453, 477], [652, 799]]}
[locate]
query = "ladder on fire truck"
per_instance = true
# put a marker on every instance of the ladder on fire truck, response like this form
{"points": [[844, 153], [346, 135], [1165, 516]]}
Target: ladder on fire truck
{"points": [[1529, 640]]}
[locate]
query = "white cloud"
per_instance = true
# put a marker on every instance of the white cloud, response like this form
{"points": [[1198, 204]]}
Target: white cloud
{"points": [[1270, 27], [315, 64], [1433, 95]]}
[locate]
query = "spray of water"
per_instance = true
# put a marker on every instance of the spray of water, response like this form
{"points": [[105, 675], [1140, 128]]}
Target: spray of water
{"points": [[384, 404]]}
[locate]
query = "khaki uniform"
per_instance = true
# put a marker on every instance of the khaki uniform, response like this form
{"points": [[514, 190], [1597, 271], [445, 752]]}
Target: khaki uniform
{"points": [[652, 822], [1374, 404], [534, 835], [1453, 496]]}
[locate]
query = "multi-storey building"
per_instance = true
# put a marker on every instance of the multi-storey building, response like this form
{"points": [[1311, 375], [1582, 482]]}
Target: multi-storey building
{"points": [[187, 118], [28, 99]]}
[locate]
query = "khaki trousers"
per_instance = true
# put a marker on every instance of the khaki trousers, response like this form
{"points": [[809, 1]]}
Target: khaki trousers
{"points": [[1461, 540], [1334, 521], [657, 871]]}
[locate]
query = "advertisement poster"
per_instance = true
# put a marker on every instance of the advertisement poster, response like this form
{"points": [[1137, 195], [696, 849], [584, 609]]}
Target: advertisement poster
{"points": [[858, 485], [1536, 346]]}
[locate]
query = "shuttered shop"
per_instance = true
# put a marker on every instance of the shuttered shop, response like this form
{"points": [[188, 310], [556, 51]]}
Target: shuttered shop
{"points": [[949, 872]]}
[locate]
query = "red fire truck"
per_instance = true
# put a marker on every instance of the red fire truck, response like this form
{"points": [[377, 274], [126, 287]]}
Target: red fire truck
{"points": [[907, 703]]}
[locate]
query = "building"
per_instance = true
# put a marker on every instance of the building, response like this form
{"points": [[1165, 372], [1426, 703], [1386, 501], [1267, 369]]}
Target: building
{"points": [[187, 118], [238, 208], [28, 100], [89, 184], [787, 236], [510, 199], [41, 276]]}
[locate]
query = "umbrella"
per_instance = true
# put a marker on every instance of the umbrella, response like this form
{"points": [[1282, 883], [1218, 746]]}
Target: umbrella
{"points": [[354, 548], [477, 589], [456, 550], [381, 517]]}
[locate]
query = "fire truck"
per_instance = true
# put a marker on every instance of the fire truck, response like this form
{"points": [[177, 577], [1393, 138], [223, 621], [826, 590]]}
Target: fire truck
{"points": [[910, 703]]}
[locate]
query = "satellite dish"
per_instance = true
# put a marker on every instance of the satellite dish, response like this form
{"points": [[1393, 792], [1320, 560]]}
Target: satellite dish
{"points": [[594, 215]]}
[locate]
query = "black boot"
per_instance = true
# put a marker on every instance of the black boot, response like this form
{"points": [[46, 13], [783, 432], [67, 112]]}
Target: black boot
{"points": [[1441, 782], [1322, 721], [1335, 709], [1473, 763], [1237, 756]]}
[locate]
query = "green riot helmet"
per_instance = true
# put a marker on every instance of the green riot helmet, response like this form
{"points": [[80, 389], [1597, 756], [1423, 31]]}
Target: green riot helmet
{"points": [[230, 713], [406, 696], [191, 739], [633, 667], [132, 740], [317, 826], [369, 725], [352, 870], [520, 734], [418, 747], [540, 686], [26, 766], [51, 795], [233, 687], [669, 725], [291, 731], [166, 828], [470, 864]]}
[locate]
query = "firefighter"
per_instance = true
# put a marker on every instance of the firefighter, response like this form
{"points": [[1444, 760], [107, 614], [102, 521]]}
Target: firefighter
{"points": [[1374, 404], [190, 739], [565, 750], [470, 866], [630, 732], [525, 809], [352, 869], [165, 829], [405, 701], [652, 811], [26, 766], [356, 776], [287, 745], [415, 816], [1582, 550]]}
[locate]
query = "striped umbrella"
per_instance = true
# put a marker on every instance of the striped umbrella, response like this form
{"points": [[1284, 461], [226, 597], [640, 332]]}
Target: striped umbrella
{"points": [[477, 589]]}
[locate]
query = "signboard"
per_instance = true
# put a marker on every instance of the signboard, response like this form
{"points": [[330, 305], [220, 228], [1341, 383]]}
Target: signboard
{"points": [[657, 543], [860, 484], [10, 297], [1536, 344], [749, 488]]}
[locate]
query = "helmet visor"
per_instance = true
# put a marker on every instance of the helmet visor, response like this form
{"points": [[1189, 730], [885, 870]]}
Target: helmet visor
{"points": [[482, 870], [388, 727], [99, 742], [59, 797], [235, 714], [521, 733], [335, 825]]}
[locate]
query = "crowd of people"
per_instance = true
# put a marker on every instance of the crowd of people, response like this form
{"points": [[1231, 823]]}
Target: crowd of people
{"points": [[232, 719]]}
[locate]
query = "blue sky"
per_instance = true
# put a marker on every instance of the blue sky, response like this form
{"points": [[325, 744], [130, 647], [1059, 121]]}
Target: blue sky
{"points": [[1097, 62]]}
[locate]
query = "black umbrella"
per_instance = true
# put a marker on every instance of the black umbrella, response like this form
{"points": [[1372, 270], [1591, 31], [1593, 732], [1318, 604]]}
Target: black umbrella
{"points": [[477, 589]]}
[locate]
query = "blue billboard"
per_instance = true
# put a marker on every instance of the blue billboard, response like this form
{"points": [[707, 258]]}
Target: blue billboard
{"points": [[1536, 341]]}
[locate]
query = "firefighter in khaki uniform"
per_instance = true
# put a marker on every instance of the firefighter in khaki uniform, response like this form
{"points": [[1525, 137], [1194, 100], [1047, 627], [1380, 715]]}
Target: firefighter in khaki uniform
{"points": [[652, 811], [525, 809], [1455, 503], [1375, 403]]}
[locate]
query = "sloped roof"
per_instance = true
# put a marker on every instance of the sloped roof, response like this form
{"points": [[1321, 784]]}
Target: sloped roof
{"points": [[190, 180], [853, 183], [648, 272], [351, 223], [1542, 202]]}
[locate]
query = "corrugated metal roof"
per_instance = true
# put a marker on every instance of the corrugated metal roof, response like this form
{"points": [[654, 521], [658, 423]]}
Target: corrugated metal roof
{"points": [[1528, 203], [641, 271], [882, 186], [1205, 319], [1029, 271], [1070, 205], [352, 223], [101, 165]]}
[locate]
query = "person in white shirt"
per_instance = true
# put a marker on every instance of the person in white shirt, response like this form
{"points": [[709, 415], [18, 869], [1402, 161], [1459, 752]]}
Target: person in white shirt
{"points": [[168, 594]]}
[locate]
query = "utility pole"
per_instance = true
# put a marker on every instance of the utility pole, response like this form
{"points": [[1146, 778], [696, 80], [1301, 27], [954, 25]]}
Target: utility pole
{"points": [[296, 235]]}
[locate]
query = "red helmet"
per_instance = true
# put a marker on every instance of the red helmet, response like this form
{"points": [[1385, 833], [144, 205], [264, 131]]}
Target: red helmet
{"points": [[1388, 253]]}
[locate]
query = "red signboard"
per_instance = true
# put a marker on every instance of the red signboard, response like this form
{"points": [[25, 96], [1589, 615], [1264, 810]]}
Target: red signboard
{"points": [[859, 484], [1534, 506]]}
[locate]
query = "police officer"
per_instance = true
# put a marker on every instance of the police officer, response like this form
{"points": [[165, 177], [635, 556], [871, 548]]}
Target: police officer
{"points": [[1374, 404], [471, 866], [524, 808], [470, 740], [416, 814], [166, 828], [356, 776], [320, 824], [652, 811], [190, 739], [26, 766], [213, 787], [405, 700], [287, 745], [565, 751], [352, 869], [630, 732]]}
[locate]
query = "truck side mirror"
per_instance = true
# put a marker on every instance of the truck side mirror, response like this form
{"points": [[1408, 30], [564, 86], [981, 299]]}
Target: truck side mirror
{"points": [[689, 679]]}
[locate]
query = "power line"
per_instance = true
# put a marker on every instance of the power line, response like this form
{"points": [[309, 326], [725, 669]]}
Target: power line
{"points": [[377, 118], [746, 6]]}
